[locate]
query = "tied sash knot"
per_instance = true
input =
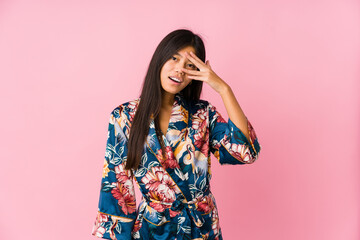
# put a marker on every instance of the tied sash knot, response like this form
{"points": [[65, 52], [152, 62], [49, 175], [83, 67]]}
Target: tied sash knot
{"points": [[187, 217]]}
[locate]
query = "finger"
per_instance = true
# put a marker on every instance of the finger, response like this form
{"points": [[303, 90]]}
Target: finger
{"points": [[188, 71], [197, 78], [194, 59]]}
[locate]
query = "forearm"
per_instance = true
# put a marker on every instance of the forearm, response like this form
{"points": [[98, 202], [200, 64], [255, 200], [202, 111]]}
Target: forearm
{"points": [[234, 110]]}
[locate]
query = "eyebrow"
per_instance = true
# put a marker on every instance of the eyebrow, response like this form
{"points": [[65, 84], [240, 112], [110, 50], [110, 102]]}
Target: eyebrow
{"points": [[177, 53]]}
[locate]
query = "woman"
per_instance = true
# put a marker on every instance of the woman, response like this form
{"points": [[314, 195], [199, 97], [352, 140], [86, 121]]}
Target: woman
{"points": [[176, 131]]}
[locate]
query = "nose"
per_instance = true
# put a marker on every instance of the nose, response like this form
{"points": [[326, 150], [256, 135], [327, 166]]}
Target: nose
{"points": [[179, 66]]}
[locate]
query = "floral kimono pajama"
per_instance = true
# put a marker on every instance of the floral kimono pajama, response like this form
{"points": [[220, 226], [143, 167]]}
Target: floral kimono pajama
{"points": [[176, 199]]}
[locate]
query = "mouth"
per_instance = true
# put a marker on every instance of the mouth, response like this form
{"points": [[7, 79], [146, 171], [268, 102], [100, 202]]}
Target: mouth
{"points": [[176, 80]]}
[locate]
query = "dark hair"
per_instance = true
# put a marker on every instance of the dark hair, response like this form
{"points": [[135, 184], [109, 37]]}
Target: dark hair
{"points": [[151, 94]]}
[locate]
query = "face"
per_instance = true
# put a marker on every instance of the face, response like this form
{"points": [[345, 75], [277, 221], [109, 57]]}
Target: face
{"points": [[172, 69]]}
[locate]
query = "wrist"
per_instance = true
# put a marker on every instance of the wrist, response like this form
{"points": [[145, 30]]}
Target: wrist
{"points": [[224, 89]]}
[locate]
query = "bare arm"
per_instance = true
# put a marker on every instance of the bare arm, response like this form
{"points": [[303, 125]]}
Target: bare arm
{"points": [[234, 110]]}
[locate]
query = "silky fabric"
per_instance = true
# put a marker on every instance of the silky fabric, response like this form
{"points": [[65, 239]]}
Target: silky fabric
{"points": [[177, 202]]}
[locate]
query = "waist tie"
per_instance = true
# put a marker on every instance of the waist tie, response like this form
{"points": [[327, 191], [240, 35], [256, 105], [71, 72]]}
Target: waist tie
{"points": [[187, 213]]}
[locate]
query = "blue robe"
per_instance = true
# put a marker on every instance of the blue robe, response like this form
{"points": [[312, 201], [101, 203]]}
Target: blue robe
{"points": [[176, 199]]}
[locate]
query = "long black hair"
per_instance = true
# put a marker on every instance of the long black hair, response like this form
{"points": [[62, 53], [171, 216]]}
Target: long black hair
{"points": [[151, 94]]}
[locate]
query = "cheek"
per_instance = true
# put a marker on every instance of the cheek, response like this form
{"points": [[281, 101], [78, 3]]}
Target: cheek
{"points": [[187, 81], [166, 67], [164, 71]]}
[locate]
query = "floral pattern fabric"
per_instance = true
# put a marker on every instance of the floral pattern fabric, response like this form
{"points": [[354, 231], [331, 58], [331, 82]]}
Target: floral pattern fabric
{"points": [[176, 199]]}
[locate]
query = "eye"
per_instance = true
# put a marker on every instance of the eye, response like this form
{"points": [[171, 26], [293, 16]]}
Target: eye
{"points": [[173, 58], [192, 66]]}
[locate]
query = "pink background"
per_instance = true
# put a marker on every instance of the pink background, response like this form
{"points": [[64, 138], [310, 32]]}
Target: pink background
{"points": [[293, 65]]}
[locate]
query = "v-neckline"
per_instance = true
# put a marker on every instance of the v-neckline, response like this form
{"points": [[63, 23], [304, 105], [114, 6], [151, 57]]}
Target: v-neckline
{"points": [[175, 103], [167, 129], [173, 134]]}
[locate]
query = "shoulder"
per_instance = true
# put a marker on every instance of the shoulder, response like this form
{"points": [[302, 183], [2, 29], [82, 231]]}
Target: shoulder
{"points": [[203, 106], [125, 108], [200, 104], [207, 104]]}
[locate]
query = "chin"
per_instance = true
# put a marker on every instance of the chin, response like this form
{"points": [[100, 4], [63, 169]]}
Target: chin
{"points": [[172, 91]]}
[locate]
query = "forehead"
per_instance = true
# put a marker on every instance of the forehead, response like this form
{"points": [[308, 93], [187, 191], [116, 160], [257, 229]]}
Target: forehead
{"points": [[182, 51]]}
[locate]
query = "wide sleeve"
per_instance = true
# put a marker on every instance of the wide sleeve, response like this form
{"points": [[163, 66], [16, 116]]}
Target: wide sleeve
{"points": [[117, 204], [228, 143]]}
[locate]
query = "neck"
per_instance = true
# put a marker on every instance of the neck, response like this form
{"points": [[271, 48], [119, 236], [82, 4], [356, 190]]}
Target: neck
{"points": [[167, 100]]}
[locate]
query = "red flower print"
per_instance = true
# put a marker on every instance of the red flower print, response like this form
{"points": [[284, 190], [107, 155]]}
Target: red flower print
{"points": [[157, 197], [217, 115], [99, 230], [202, 142], [199, 120], [122, 175], [125, 200], [251, 132], [157, 206], [160, 185], [170, 161], [174, 213], [201, 137], [205, 204], [132, 106], [239, 151]]}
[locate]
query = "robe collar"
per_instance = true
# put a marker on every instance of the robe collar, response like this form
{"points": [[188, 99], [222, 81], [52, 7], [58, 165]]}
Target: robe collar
{"points": [[178, 124]]}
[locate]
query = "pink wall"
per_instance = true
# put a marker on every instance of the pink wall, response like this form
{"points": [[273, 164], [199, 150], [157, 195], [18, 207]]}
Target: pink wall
{"points": [[294, 66]]}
